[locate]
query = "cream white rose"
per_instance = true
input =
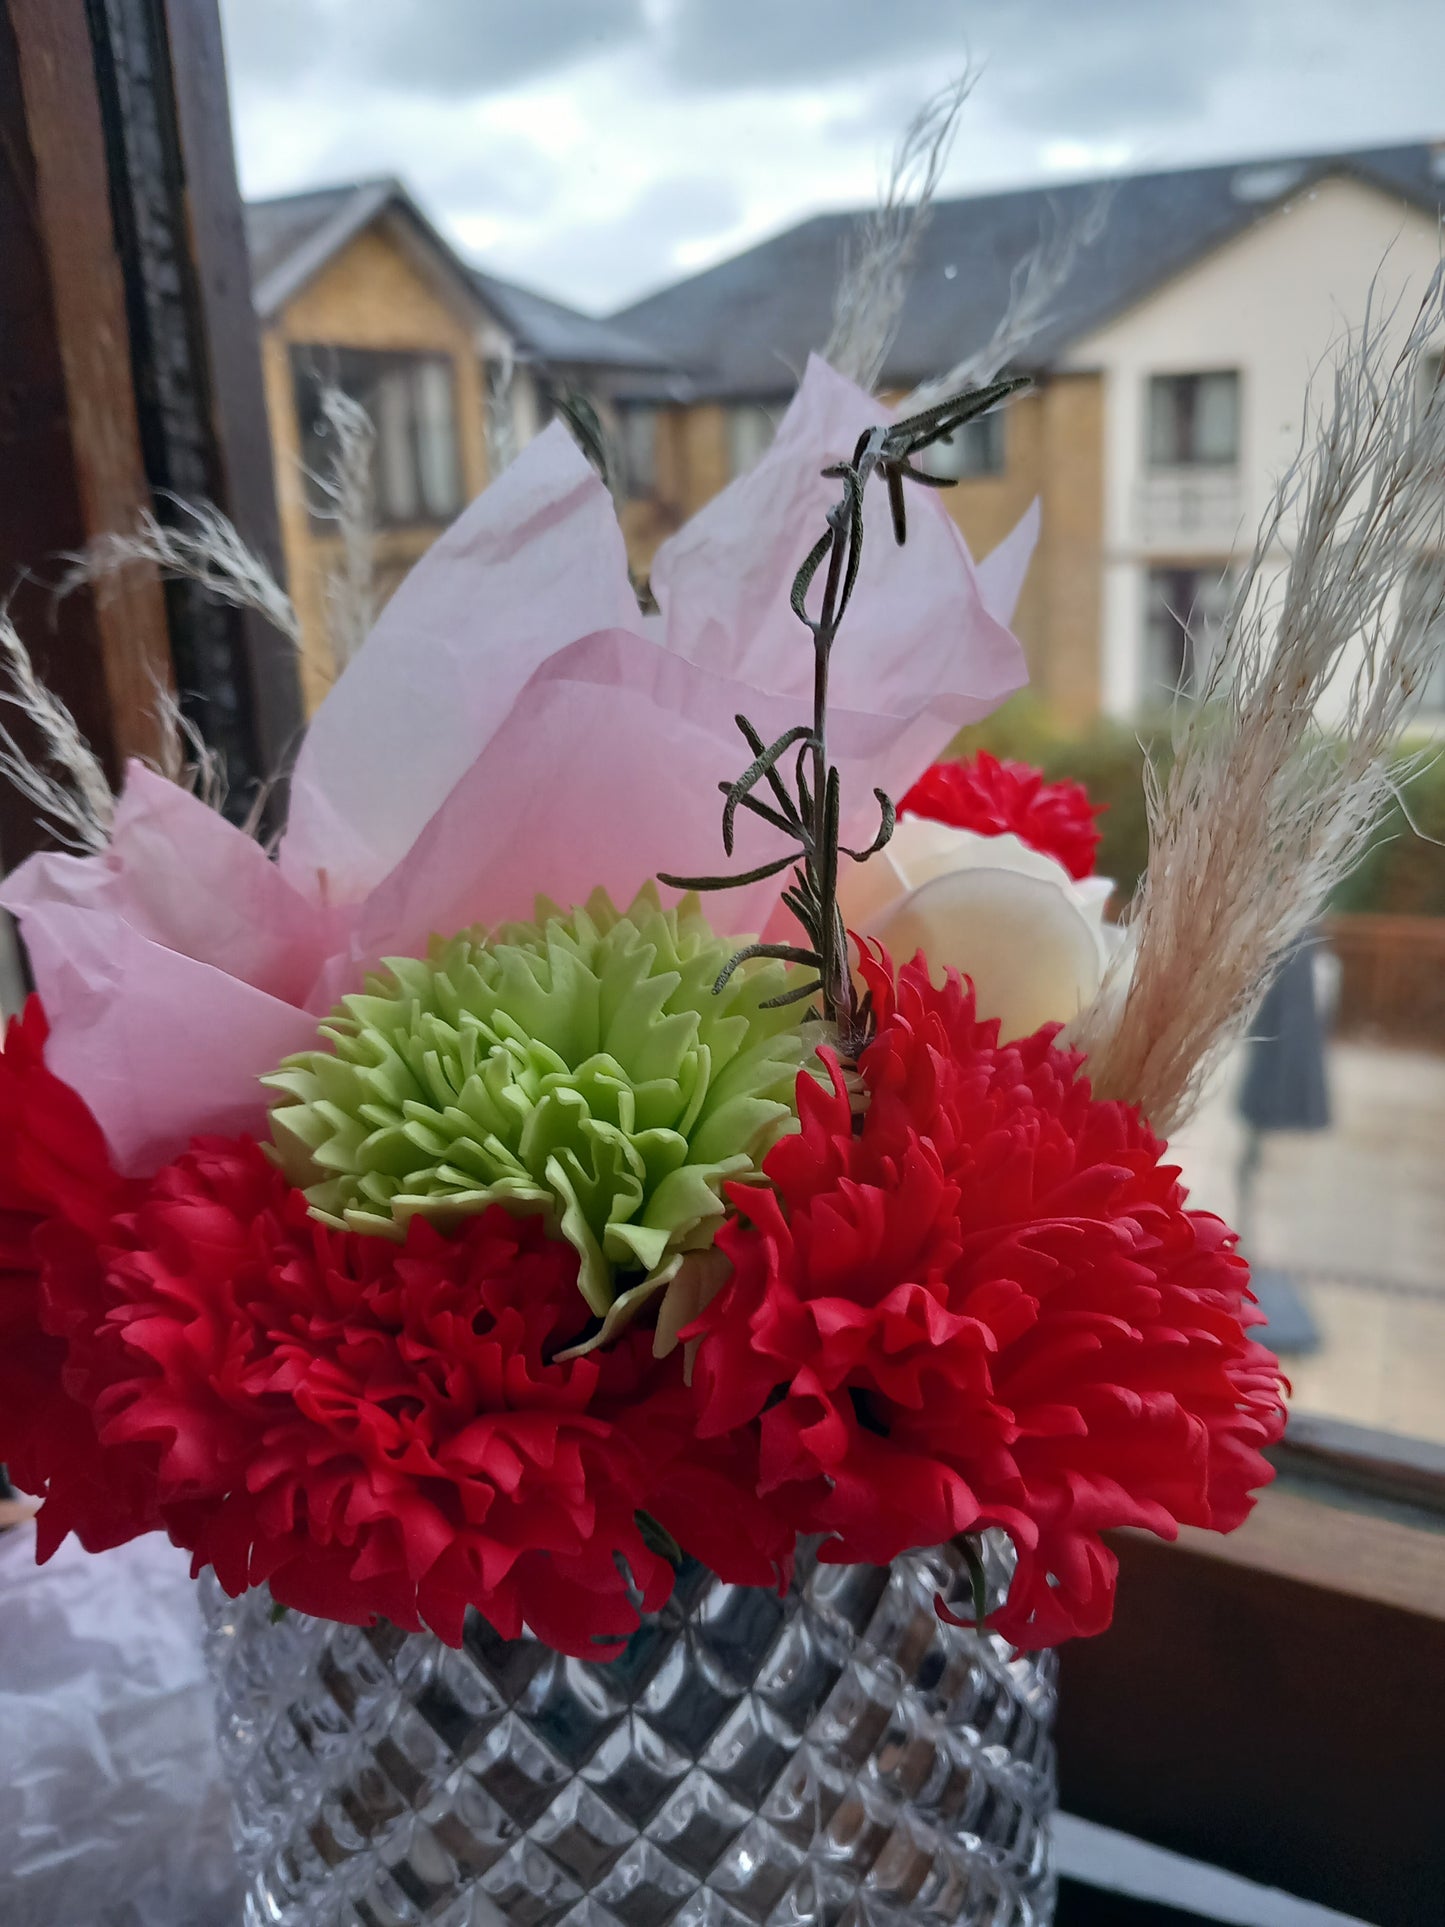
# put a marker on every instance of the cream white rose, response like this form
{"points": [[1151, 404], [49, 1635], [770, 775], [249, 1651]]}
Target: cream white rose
{"points": [[1031, 937]]}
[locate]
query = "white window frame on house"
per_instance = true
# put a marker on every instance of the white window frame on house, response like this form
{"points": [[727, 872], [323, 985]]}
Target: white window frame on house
{"points": [[975, 448], [1190, 634], [410, 396], [1193, 420]]}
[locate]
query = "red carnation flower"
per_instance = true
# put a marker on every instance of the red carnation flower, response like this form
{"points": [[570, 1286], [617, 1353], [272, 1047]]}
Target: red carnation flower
{"points": [[375, 1429], [380, 1429], [986, 1307], [993, 798], [58, 1193]]}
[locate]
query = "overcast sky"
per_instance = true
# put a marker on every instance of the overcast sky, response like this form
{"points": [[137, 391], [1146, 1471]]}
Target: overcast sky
{"points": [[600, 148]]}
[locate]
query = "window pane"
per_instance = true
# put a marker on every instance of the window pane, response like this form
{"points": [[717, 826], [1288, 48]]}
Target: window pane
{"points": [[398, 493], [637, 434], [750, 436], [1184, 620], [436, 427], [308, 382], [1164, 435], [1423, 598], [974, 448], [411, 401], [1216, 419], [1193, 419]]}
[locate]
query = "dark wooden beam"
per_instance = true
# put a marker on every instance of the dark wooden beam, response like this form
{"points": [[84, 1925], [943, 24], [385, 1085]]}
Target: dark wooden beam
{"points": [[71, 463], [241, 434], [196, 352]]}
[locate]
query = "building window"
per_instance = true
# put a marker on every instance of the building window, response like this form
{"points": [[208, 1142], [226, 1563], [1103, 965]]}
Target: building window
{"points": [[1184, 617], [637, 443], [750, 435], [1432, 383], [1194, 420], [411, 399], [498, 373], [1423, 596], [974, 448]]}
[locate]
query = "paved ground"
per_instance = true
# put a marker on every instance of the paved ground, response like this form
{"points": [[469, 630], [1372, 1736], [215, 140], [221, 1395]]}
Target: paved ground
{"points": [[1357, 1214]]}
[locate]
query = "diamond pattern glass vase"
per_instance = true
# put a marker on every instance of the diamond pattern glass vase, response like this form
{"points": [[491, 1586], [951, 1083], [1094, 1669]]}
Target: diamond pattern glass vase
{"points": [[837, 1756]]}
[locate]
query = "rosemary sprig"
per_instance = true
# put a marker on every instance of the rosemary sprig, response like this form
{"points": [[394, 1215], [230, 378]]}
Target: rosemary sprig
{"points": [[809, 809]]}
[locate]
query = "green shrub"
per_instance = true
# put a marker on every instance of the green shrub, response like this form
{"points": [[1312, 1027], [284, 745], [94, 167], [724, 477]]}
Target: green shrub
{"points": [[1403, 873]]}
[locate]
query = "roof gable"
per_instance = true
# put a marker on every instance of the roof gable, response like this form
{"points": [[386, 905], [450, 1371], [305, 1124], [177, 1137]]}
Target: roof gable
{"points": [[292, 240]]}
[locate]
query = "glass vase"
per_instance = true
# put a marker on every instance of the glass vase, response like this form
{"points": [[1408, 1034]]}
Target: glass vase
{"points": [[839, 1755]]}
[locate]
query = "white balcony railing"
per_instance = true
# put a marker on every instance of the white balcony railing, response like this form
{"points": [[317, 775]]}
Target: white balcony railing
{"points": [[1189, 508]]}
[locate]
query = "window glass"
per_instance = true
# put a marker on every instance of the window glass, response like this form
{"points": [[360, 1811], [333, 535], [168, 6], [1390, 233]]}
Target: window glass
{"points": [[436, 438], [1424, 593], [398, 490], [1184, 618], [1194, 420], [637, 439], [974, 448], [411, 400], [750, 435]]}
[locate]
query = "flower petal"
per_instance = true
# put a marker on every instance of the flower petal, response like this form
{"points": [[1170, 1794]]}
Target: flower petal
{"points": [[534, 563], [1033, 956]]}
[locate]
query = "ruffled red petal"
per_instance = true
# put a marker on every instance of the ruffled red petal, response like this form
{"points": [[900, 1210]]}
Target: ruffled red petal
{"points": [[58, 1191], [993, 798], [988, 1306]]}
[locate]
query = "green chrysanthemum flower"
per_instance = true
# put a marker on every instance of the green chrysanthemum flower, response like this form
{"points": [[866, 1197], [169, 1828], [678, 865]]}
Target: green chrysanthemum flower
{"points": [[582, 1066]]}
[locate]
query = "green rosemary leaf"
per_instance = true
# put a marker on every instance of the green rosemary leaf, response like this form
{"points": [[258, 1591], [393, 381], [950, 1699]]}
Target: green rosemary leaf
{"points": [[797, 996], [759, 875], [803, 580], [907, 470], [886, 828], [783, 952], [779, 787], [896, 505], [854, 489], [754, 773], [799, 831]]}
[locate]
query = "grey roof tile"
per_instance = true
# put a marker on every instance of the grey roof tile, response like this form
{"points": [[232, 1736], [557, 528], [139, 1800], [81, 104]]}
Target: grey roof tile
{"points": [[746, 326]]}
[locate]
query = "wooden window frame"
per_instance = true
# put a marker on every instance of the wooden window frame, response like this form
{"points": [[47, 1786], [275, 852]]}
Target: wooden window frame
{"points": [[1269, 1702]]}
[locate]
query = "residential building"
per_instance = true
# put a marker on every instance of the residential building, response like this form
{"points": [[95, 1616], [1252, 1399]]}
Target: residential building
{"points": [[1169, 372], [355, 289]]}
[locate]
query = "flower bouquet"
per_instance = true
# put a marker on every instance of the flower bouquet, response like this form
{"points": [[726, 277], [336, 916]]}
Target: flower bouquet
{"points": [[643, 1398]]}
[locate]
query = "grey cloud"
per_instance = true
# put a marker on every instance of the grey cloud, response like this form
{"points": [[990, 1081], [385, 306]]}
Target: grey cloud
{"points": [[599, 263], [275, 42], [441, 48], [1058, 66], [1116, 64], [481, 46], [792, 43], [511, 178]]}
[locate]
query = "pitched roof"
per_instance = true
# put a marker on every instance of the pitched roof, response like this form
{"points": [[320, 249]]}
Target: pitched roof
{"points": [[746, 326], [554, 333], [292, 238]]}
